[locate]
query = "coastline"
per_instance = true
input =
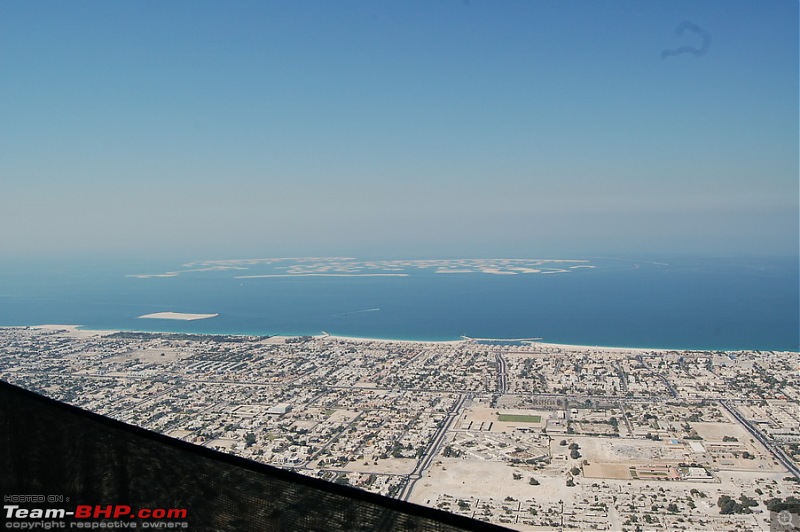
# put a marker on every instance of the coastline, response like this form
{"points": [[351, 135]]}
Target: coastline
{"points": [[79, 331], [361, 339]]}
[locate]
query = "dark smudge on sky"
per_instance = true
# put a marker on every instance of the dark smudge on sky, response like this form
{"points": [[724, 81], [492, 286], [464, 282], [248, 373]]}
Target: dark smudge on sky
{"points": [[698, 52]]}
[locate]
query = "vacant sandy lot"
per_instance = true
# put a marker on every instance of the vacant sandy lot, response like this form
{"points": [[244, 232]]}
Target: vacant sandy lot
{"points": [[485, 479], [716, 431], [617, 471], [342, 416], [605, 450]]}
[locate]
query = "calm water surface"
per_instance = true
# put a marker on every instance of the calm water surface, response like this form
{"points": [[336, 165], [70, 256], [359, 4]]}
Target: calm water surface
{"points": [[666, 302]]}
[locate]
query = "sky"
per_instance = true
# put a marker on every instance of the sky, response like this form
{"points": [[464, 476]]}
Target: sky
{"points": [[201, 129]]}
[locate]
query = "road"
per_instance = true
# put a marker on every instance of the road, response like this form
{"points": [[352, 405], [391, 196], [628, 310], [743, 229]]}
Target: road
{"points": [[771, 447], [433, 447], [502, 379]]}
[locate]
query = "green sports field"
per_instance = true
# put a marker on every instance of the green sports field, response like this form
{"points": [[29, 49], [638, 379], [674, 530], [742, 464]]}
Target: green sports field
{"points": [[519, 418]]}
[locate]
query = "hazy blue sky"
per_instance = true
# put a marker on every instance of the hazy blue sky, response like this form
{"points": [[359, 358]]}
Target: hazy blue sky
{"points": [[532, 128]]}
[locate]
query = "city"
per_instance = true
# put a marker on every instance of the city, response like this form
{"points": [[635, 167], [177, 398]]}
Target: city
{"points": [[528, 435]]}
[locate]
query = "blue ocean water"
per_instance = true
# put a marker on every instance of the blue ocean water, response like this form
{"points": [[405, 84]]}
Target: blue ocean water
{"points": [[662, 302]]}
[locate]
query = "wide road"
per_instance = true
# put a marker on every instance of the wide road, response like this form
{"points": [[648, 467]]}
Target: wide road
{"points": [[771, 447], [502, 380], [433, 447]]}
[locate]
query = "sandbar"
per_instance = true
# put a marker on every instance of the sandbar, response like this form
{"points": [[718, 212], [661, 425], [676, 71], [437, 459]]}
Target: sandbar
{"points": [[178, 316]]}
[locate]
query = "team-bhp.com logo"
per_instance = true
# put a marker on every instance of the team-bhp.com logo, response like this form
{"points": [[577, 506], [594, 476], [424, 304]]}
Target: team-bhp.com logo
{"points": [[93, 516]]}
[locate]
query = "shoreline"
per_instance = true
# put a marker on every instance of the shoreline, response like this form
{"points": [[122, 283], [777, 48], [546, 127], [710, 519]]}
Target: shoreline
{"points": [[78, 330], [361, 339]]}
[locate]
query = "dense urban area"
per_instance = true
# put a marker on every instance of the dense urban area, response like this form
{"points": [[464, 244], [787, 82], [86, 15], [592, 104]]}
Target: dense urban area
{"points": [[528, 435]]}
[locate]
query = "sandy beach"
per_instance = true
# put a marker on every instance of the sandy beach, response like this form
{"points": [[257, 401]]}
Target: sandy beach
{"points": [[326, 336], [545, 346], [606, 349], [73, 330]]}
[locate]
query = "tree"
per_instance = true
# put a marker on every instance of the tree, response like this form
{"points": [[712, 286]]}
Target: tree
{"points": [[792, 504], [727, 505]]}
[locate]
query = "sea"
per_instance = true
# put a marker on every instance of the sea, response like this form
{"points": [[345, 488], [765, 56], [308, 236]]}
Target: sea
{"points": [[666, 302]]}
